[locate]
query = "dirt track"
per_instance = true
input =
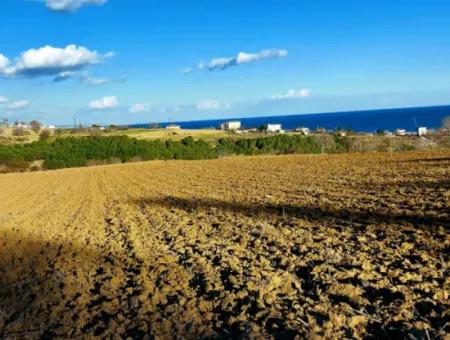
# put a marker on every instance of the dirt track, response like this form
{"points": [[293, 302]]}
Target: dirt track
{"points": [[336, 246]]}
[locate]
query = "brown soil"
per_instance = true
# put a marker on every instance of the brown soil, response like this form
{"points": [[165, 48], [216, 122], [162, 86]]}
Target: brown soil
{"points": [[342, 246]]}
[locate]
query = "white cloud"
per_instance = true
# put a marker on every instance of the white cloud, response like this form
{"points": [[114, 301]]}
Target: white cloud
{"points": [[138, 108], [20, 104], [241, 58], [86, 79], [3, 100], [95, 81], [292, 94], [64, 76], [4, 64], [71, 5], [51, 61], [187, 70], [108, 102], [210, 104]]}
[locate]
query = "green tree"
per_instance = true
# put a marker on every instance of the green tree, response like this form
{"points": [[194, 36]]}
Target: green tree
{"points": [[35, 125]]}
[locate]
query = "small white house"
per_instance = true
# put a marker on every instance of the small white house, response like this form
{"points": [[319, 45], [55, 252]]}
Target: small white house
{"points": [[400, 132], [232, 125], [303, 130], [274, 128], [173, 127], [22, 126], [51, 127], [422, 131]]}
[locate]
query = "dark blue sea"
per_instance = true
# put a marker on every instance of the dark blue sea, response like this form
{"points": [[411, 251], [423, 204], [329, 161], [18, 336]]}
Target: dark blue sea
{"points": [[361, 121]]}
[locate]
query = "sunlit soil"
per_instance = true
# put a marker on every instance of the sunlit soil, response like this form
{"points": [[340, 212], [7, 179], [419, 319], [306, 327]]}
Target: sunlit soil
{"points": [[335, 246]]}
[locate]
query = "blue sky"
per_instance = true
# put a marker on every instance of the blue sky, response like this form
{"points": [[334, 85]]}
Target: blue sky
{"points": [[126, 61]]}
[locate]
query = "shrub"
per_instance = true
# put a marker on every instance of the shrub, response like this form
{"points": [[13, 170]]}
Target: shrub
{"points": [[44, 135], [35, 125], [446, 123]]}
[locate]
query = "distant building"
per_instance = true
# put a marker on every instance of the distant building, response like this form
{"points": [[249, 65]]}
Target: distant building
{"points": [[320, 130], [400, 132], [51, 127], [232, 125], [422, 131], [274, 128], [173, 127], [22, 126], [303, 130]]}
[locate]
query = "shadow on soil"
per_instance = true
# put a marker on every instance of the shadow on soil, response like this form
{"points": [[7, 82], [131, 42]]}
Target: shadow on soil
{"points": [[33, 278], [413, 185], [426, 160], [312, 213], [57, 290]]}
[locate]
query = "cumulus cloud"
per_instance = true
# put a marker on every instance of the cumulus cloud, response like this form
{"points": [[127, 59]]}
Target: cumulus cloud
{"points": [[3, 99], [51, 61], [108, 102], [241, 58], [20, 104], [211, 104], [4, 64], [71, 5], [138, 108], [292, 94]]}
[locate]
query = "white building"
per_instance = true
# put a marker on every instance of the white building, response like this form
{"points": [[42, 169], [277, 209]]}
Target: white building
{"points": [[422, 131], [400, 132], [173, 127], [303, 130], [274, 128], [22, 126], [232, 125], [51, 127]]}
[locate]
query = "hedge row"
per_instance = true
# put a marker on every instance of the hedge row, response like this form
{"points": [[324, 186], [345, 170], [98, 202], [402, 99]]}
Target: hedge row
{"points": [[76, 151]]}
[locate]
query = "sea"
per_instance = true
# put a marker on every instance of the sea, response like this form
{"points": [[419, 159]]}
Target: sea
{"points": [[359, 121]]}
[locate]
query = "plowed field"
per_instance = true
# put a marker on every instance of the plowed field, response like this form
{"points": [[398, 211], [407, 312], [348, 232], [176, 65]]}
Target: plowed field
{"points": [[335, 246]]}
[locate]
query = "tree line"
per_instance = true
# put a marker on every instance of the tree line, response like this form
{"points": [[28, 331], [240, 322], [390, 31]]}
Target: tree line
{"points": [[83, 151]]}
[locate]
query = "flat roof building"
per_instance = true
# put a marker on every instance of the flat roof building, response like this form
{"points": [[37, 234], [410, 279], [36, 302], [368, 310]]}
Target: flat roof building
{"points": [[232, 125], [274, 128]]}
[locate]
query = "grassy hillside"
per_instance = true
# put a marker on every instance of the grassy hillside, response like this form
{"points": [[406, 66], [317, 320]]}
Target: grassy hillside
{"points": [[6, 134], [7, 137]]}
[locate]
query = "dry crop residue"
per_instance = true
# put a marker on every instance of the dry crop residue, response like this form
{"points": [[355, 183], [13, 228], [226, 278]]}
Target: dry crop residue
{"points": [[335, 246]]}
